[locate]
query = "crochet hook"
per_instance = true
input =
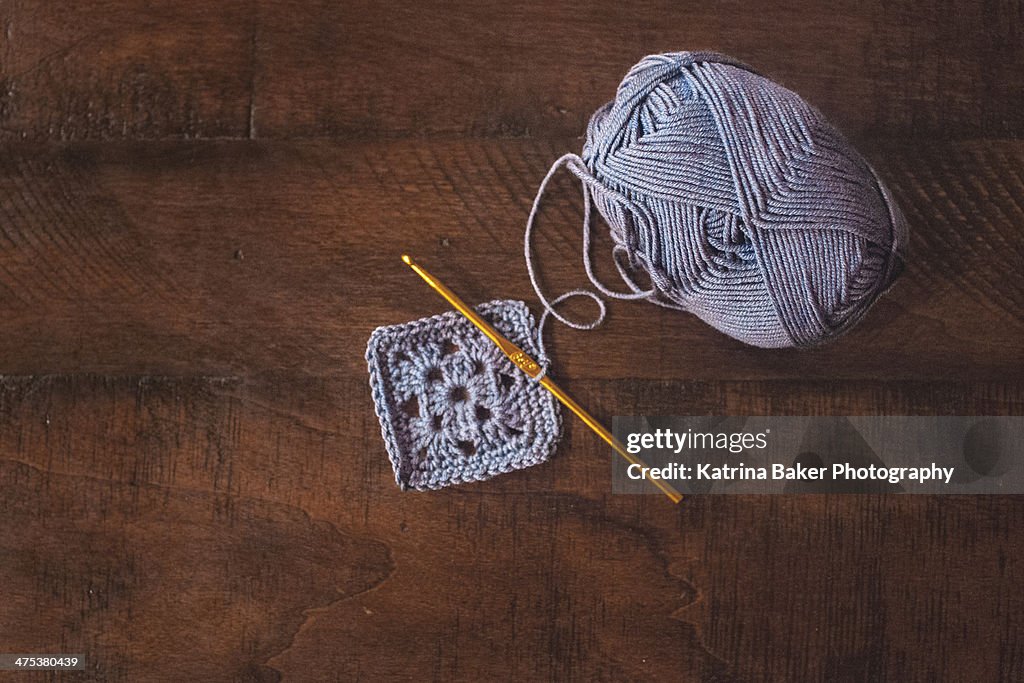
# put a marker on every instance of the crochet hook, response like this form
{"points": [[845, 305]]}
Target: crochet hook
{"points": [[528, 365]]}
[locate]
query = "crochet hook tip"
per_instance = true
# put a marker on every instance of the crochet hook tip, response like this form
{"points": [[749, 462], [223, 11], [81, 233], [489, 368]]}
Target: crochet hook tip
{"points": [[406, 259]]}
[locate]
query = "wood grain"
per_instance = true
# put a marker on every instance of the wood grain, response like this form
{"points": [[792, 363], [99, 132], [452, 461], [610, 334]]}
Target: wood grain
{"points": [[540, 68], [124, 69], [233, 258], [250, 529]]}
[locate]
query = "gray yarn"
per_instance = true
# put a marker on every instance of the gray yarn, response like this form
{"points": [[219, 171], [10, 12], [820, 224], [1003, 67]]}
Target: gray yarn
{"points": [[742, 204], [452, 407]]}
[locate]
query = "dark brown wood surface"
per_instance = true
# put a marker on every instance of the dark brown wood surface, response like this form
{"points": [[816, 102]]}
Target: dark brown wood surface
{"points": [[201, 211]]}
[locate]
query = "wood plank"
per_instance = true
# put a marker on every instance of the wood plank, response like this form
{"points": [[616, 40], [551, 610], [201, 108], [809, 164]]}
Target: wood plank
{"points": [[212, 528], [234, 259], [126, 69], [542, 68], [246, 68]]}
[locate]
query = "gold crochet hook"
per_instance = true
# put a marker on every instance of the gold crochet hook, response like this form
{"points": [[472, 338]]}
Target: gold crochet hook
{"points": [[532, 368]]}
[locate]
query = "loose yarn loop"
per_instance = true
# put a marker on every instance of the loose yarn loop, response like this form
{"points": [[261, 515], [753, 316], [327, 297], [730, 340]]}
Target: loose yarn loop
{"points": [[739, 201]]}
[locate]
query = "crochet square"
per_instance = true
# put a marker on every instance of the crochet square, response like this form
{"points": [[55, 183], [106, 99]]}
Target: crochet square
{"points": [[452, 407]]}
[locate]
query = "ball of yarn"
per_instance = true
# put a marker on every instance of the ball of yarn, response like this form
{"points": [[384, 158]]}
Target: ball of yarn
{"points": [[741, 202]]}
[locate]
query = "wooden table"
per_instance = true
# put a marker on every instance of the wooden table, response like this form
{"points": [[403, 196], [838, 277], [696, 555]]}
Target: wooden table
{"points": [[201, 211]]}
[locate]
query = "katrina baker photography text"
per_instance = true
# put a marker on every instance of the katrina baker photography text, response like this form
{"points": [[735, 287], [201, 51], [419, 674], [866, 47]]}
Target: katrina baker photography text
{"points": [[880, 454], [799, 472]]}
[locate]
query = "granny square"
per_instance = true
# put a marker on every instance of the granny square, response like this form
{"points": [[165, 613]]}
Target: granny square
{"points": [[452, 407]]}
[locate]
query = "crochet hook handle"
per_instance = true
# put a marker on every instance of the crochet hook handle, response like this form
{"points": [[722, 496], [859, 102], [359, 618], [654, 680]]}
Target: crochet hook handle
{"points": [[523, 361]]}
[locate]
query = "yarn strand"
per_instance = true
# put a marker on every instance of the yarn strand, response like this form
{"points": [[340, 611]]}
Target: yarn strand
{"points": [[576, 166]]}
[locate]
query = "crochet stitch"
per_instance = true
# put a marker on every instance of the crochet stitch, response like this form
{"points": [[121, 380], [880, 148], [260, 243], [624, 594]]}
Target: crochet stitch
{"points": [[452, 407]]}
